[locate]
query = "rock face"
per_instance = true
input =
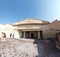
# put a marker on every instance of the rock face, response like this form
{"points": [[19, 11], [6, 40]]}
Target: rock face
{"points": [[17, 48]]}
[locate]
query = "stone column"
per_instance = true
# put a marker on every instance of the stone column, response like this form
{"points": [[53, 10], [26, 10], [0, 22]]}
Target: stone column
{"points": [[24, 34], [38, 34]]}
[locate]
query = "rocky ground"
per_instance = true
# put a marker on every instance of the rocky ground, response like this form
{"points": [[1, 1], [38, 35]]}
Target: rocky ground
{"points": [[37, 48]]}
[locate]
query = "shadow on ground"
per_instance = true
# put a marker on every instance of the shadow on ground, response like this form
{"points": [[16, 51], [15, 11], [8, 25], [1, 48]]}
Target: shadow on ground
{"points": [[46, 48]]}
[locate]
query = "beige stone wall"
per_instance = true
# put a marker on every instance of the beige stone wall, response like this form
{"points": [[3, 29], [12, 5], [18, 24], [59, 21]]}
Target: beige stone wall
{"points": [[49, 34], [8, 32], [8, 29], [55, 25]]}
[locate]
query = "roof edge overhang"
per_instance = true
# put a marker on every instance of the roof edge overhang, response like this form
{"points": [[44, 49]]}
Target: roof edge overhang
{"points": [[31, 24]]}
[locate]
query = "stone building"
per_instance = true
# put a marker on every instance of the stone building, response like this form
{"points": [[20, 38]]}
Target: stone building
{"points": [[28, 28], [55, 26]]}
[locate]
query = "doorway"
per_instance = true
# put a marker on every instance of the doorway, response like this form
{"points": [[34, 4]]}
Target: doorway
{"points": [[41, 34], [32, 35]]}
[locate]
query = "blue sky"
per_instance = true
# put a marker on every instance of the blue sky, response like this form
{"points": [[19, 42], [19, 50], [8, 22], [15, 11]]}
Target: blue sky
{"points": [[12, 11]]}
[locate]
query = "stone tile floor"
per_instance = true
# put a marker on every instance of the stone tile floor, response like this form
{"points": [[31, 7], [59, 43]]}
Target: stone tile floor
{"points": [[18, 48]]}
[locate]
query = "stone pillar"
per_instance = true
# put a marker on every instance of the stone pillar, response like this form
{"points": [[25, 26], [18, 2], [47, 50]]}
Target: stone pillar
{"points": [[24, 34], [38, 34]]}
